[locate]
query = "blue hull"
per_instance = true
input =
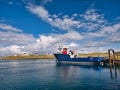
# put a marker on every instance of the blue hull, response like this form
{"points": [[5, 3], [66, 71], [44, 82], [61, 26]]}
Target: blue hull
{"points": [[65, 58]]}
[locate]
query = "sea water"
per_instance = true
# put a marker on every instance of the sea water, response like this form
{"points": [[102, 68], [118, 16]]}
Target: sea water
{"points": [[47, 75]]}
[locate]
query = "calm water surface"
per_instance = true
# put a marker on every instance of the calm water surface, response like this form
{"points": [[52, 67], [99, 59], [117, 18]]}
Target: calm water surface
{"points": [[46, 75]]}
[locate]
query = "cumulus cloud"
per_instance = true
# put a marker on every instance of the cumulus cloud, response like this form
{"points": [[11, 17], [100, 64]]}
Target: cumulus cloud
{"points": [[106, 35], [64, 23], [9, 28], [111, 29], [18, 43], [13, 50], [91, 20], [106, 31], [91, 15], [95, 44], [40, 11], [50, 43], [15, 38], [95, 49], [78, 29], [114, 38], [72, 45], [46, 1]]}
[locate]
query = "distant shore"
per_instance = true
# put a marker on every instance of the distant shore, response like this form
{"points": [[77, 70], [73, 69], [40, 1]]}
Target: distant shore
{"points": [[28, 57], [51, 56]]}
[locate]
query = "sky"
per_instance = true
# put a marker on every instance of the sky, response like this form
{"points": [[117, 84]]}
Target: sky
{"points": [[40, 26]]}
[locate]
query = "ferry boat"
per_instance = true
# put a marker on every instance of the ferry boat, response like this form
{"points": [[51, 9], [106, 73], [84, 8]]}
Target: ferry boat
{"points": [[70, 57]]}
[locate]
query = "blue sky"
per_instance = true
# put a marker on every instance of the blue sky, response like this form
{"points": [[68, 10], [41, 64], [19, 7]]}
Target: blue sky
{"points": [[40, 26]]}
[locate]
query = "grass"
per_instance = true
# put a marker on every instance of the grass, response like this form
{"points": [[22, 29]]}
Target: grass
{"points": [[20, 57], [94, 55], [44, 56], [117, 55]]}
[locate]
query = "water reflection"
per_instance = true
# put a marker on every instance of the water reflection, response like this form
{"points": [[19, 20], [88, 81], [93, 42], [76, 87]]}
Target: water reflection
{"points": [[114, 71], [75, 70], [94, 67], [39, 74], [69, 72]]}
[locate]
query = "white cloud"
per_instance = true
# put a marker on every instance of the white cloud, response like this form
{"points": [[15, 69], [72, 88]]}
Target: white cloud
{"points": [[92, 15], [75, 15], [13, 40], [93, 24], [46, 40], [91, 20], [72, 35], [115, 38], [51, 42], [40, 11], [72, 45], [107, 35], [15, 49], [95, 44], [11, 50], [93, 49], [16, 38], [46, 1], [106, 31], [88, 26], [9, 28], [65, 23], [111, 29], [17, 43]]}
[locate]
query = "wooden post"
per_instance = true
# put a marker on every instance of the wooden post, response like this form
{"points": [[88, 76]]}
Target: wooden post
{"points": [[113, 57], [111, 74], [110, 59], [110, 63], [115, 72]]}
